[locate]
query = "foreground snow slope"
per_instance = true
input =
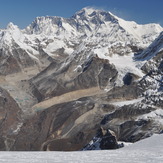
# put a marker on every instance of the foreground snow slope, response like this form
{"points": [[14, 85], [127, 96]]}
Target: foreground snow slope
{"points": [[147, 150]]}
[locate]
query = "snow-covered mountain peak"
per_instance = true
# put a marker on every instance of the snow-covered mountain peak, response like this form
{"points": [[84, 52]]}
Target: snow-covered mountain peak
{"points": [[89, 21], [94, 16], [87, 11], [146, 32], [13, 39], [42, 24], [94, 27], [82, 23], [12, 32], [11, 26]]}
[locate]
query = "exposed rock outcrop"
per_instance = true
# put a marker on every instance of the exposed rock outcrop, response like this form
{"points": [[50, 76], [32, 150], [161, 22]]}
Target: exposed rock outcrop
{"points": [[104, 140], [10, 123], [94, 73]]}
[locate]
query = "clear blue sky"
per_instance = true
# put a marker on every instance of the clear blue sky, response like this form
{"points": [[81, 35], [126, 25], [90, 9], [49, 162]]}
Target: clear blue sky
{"points": [[23, 12]]}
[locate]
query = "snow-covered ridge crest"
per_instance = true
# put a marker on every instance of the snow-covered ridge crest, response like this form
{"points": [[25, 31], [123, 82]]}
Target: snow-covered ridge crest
{"points": [[100, 30], [12, 32], [154, 48], [140, 31], [44, 24], [11, 26], [88, 20], [87, 10], [13, 38]]}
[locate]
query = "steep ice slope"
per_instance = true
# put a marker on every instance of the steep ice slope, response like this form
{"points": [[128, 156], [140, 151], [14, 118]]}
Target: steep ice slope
{"points": [[141, 32], [14, 35], [155, 48], [148, 150]]}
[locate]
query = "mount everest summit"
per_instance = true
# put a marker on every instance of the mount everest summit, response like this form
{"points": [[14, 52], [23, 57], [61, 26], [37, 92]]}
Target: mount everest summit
{"points": [[63, 80]]}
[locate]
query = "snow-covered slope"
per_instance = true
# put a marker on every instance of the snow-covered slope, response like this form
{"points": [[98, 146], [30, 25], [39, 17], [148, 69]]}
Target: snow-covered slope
{"points": [[92, 22], [148, 150], [13, 35], [95, 27], [141, 32], [155, 48]]}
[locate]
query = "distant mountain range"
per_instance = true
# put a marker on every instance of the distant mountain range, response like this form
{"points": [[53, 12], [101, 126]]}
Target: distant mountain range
{"points": [[57, 37]]}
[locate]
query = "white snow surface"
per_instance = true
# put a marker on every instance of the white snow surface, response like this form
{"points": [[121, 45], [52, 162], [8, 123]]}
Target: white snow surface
{"points": [[137, 30], [155, 115], [145, 151], [13, 33], [123, 64], [128, 102]]}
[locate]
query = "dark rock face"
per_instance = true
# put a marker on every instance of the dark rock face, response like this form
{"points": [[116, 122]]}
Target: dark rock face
{"points": [[154, 63], [127, 125], [74, 122], [94, 73], [126, 92], [129, 78], [10, 122], [69, 123], [104, 140], [129, 128], [10, 65], [108, 141], [15, 59]]}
